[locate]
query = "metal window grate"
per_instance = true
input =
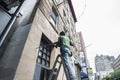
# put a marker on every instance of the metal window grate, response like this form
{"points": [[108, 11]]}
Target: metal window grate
{"points": [[44, 53]]}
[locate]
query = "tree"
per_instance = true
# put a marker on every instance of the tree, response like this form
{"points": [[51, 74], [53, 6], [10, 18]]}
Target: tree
{"points": [[113, 76]]}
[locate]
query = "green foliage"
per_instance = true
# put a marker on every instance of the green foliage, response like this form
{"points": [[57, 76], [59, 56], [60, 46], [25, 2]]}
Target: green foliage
{"points": [[113, 76], [106, 78]]}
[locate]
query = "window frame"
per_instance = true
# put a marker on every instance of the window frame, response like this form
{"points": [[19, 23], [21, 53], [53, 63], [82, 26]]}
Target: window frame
{"points": [[54, 17], [44, 53]]}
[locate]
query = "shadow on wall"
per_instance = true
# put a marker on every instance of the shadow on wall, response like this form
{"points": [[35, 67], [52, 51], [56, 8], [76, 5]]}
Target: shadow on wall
{"points": [[13, 45]]}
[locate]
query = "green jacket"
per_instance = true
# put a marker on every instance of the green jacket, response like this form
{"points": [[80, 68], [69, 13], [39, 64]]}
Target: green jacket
{"points": [[65, 41]]}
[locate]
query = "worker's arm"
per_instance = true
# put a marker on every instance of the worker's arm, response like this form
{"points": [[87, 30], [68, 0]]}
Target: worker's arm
{"points": [[57, 44]]}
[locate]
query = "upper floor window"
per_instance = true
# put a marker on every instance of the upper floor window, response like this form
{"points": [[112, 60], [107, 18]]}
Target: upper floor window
{"points": [[7, 12], [64, 16], [56, 1], [53, 17], [8, 4]]}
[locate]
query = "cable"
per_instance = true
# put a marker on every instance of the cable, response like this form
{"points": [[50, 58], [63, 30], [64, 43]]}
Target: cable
{"points": [[83, 10]]}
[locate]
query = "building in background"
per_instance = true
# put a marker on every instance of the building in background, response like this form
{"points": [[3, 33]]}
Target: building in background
{"points": [[83, 55], [26, 27], [116, 63], [103, 65]]}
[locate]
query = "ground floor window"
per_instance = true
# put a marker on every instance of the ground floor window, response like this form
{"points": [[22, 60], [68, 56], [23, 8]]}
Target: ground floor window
{"points": [[43, 59]]}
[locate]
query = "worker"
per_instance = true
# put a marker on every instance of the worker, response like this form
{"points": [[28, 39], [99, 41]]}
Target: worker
{"points": [[64, 43]]}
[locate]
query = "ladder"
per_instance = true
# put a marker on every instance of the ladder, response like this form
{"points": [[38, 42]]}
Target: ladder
{"points": [[56, 72]]}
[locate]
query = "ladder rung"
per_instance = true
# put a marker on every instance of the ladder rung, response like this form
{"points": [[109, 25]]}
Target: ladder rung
{"points": [[59, 61]]}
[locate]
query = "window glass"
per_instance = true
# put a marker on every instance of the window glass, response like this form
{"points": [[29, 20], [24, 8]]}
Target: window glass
{"points": [[56, 1], [44, 52], [54, 17]]}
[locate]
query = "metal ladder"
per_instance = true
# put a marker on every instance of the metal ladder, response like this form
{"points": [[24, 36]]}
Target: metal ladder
{"points": [[58, 69]]}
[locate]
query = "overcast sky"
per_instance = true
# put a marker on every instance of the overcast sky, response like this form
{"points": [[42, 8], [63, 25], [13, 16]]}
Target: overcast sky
{"points": [[99, 22]]}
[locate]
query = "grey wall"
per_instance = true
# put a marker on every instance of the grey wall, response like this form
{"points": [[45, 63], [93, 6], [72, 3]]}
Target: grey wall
{"points": [[10, 59], [14, 47]]}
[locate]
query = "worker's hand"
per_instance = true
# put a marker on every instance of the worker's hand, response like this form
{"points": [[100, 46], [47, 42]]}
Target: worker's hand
{"points": [[55, 45]]}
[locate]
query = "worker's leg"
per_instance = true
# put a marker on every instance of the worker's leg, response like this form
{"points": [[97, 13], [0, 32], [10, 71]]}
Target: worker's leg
{"points": [[69, 66]]}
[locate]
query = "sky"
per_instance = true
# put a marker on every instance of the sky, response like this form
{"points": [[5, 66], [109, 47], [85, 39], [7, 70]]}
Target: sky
{"points": [[99, 22]]}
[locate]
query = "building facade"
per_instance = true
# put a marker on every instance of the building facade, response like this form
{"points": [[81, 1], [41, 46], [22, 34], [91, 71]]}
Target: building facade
{"points": [[82, 54], [103, 65], [27, 27], [116, 63]]}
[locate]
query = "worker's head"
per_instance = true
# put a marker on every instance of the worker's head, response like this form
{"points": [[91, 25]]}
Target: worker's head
{"points": [[62, 33]]}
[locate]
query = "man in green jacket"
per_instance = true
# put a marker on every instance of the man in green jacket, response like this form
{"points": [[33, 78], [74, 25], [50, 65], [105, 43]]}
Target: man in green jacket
{"points": [[64, 43]]}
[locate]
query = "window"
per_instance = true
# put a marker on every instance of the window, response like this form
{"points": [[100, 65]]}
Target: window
{"points": [[53, 17], [56, 1], [44, 56], [4, 20], [44, 52], [7, 12], [64, 15], [8, 4], [43, 60], [65, 29]]}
